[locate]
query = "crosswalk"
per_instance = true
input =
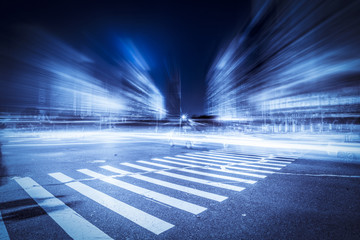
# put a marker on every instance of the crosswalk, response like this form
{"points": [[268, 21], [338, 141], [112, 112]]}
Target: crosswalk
{"points": [[73, 224], [199, 174]]}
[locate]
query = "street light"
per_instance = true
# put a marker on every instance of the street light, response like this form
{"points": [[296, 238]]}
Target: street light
{"points": [[182, 118]]}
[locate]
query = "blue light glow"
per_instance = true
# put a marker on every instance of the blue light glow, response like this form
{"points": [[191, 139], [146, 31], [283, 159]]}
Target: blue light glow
{"points": [[50, 76], [294, 68]]}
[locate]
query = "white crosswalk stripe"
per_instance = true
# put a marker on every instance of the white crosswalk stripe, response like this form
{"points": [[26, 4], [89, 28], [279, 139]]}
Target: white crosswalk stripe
{"points": [[228, 164], [247, 158], [183, 177], [69, 220], [171, 201], [222, 167], [135, 215], [260, 162], [4, 235], [204, 173], [235, 163], [200, 193], [279, 158], [230, 153], [205, 166], [227, 152]]}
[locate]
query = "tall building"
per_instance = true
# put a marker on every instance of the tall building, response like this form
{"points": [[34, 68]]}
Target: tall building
{"points": [[50, 76], [294, 68], [173, 93]]}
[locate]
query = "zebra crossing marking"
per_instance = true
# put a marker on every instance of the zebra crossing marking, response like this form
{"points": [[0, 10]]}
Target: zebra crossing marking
{"points": [[204, 173], [4, 235], [229, 165], [143, 219], [170, 201], [70, 221], [251, 155], [262, 159], [222, 167], [193, 191], [74, 224], [240, 161], [269, 158], [187, 178]]}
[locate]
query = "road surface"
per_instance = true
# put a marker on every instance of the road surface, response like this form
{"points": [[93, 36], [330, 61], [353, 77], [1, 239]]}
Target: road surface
{"points": [[119, 187]]}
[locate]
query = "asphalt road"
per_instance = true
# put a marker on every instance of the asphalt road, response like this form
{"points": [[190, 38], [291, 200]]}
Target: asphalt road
{"points": [[51, 189]]}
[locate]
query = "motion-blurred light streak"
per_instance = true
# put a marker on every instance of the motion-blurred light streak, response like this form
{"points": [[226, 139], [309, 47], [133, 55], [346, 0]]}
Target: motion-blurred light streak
{"points": [[294, 68], [48, 77]]}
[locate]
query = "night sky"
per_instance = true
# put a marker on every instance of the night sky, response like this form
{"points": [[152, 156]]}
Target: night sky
{"points": [[186, 34]]}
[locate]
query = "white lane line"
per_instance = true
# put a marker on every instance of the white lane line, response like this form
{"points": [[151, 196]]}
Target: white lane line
{"points": [[238, 163], [268, 160], [170, 201], [260, 162], [143, 219], [73, 224], [199, 193], [229, 165], [205, 173], [4, 235], [183, 177], [222, 167]]}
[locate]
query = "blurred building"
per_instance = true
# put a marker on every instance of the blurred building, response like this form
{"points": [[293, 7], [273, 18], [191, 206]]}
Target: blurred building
{"points": [[48, 75], [173, 94], [295, 67]]}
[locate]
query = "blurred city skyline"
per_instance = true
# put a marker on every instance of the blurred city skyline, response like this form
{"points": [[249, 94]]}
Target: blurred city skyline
{"points": [[262, 62], [181, 35]]}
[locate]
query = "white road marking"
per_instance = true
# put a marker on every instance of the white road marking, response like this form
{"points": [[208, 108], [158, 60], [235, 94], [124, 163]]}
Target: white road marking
{"points": [[251, 155], [236, 153], [174, 186], [240, 154], [261, 162], [171, 201], [222, 167], [251, 158], [279, 158], [230, 165], [98, 161], [138, 167], [73, 224], [239, 163], [205, 173], [183, 177], [118, 140], [3, 232], [143, 219], [268, 160]]}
